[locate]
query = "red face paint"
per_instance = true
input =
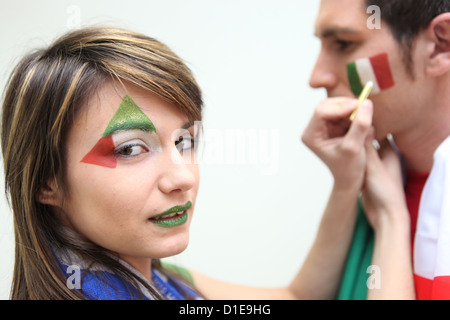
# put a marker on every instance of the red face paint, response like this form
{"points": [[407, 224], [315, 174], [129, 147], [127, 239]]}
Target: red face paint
{"points": [[102, 154], [127, 117]]}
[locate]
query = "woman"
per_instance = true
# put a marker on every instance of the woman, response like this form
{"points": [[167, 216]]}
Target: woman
{"points": [[51, 93], [98, 142]]}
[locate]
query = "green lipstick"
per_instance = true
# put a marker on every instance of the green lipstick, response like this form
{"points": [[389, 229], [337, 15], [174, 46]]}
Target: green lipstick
{"points": [[173, 217]]}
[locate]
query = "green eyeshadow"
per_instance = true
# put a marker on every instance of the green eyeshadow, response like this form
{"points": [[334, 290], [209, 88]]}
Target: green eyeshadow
{"points": [[128, 117]]}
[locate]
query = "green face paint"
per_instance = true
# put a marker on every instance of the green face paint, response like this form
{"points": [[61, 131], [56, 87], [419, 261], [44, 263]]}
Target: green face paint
{"points": [[127, 117]]}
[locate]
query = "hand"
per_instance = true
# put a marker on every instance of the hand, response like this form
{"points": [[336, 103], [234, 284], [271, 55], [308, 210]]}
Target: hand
{"points": [[383, 195], [386, 210], [340, 143]]}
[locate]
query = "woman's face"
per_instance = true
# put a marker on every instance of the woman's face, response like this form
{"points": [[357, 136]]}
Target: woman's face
{"points": [[126, 165]]}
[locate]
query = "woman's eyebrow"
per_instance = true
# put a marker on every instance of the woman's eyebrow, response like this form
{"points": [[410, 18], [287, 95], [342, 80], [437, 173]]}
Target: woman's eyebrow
{"points": [[128, 117], [187, 125]]}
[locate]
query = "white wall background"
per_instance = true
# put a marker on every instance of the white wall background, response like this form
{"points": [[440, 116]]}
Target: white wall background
{"points": [[257, 211]]}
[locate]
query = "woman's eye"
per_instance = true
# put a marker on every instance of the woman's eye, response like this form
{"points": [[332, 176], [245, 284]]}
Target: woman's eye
{"points": [[131, 150], [184, 144]]}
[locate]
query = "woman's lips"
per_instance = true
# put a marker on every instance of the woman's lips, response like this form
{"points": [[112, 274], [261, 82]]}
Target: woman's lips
{"points": [[168, 216], [175, 216]]}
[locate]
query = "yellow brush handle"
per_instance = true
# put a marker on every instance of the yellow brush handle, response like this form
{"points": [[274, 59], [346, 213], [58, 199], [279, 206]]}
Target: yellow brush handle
{"points": [[362, 97]]}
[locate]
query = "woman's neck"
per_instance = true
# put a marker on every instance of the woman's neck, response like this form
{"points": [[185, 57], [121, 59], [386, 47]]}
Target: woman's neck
{"points": [[142, 265]]}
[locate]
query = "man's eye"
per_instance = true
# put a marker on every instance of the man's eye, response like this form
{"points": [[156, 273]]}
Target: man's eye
{"points": [[343, 45], [131, 150]]}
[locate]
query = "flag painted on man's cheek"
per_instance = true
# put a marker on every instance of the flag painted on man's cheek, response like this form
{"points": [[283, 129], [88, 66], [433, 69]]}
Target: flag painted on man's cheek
{"points": [[127, 117], [375, 69]]}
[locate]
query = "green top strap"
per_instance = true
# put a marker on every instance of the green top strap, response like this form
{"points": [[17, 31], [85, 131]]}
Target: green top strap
{"points": [[179, 270]]}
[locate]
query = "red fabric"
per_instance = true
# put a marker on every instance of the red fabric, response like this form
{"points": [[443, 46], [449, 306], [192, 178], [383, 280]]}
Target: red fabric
{"points": [[415, 183], [437, 289], [426, 289]]}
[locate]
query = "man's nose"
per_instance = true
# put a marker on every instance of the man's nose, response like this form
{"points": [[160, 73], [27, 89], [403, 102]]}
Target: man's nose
{"points": [[323, 74]]}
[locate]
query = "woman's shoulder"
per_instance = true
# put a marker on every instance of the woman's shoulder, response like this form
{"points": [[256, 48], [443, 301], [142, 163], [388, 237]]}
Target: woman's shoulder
{"points": [[183, 272]]}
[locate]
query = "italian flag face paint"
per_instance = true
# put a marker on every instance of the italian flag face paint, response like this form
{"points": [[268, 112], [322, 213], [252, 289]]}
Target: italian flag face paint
{"points": [[374, 69], [127, 117]]}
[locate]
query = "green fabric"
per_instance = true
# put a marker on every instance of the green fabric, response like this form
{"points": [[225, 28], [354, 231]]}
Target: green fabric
{"points": [[354, 281], [180, 270]]}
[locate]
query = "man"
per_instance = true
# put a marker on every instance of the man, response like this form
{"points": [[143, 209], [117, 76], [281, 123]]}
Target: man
{"points": [[415, 35]]}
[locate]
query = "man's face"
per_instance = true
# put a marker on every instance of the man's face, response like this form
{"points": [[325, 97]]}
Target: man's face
{"points": [[342, 28]]}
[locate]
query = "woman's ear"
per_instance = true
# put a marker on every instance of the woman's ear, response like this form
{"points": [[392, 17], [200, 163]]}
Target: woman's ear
{"points": [[439, 34], [49, 194]]}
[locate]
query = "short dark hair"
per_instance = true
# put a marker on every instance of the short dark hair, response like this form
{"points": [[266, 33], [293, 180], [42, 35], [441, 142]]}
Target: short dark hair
{"points": [[407, 18]]}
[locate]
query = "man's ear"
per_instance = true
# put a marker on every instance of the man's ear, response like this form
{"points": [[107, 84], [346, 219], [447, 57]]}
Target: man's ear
{"points": [[439, 34], [49, 194]]}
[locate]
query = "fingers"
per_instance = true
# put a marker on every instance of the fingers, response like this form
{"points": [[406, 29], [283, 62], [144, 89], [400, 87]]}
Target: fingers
{"points": [[391, 160], [338, 141], [373, 158], [330, 119], [336, 108], [386, 159], [361, 128]]}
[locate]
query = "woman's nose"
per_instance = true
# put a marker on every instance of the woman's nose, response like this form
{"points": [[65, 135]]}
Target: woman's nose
{"points": [[178, 173]]}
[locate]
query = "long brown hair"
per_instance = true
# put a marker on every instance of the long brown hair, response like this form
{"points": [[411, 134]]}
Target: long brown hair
{"points": [[44, 93]]}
